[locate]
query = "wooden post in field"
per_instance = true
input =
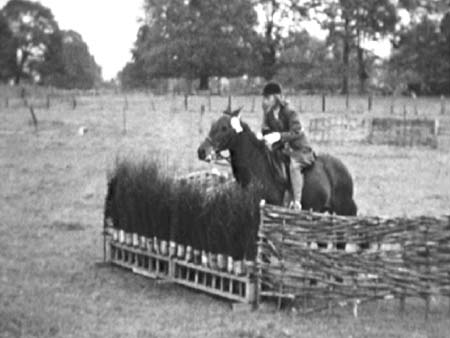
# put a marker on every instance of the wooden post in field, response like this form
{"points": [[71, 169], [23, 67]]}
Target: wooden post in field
{"points": [[209, 101], [414, 97], [47, 102], [200, 122], [229, 103], [74, 102], [124, 116], [369, 102], [124, 121], [347, 100], [7, 102], [152, 103], [405, 112], [442, 104], [186, 103], [392, 104], [323, 103], [33, 117]]}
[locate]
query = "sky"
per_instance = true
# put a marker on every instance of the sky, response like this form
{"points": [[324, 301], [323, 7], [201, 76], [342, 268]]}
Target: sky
{"points": [[109, 28]]}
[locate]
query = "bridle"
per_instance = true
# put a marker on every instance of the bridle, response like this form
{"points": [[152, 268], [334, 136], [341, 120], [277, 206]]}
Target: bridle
{"points": [[218, 156]]}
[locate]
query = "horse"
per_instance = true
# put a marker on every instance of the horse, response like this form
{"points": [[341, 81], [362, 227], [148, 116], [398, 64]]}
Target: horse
{"points": [[328, 185]]}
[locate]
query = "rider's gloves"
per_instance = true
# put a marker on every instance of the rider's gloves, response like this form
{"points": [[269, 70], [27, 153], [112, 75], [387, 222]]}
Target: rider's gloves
{"points": [[272, 138]]}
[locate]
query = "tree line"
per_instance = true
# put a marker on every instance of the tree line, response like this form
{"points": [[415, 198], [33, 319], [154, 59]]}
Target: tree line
{"points": [[197, 40], [35, 49]]}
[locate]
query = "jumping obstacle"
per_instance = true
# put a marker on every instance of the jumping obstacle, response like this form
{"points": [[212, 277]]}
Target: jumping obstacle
{"points": [[325, 261], [316, 261], [215, 274]]}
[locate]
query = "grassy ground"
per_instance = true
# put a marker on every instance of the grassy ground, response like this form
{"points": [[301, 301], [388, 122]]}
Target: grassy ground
{"points": [[52, 188]]}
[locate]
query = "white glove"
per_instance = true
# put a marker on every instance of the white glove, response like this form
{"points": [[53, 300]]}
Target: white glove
{"points": [[259, 136], [272, 138]]}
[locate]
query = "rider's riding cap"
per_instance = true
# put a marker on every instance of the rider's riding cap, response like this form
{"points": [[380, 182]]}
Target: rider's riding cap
{"points": [[271, 88]]}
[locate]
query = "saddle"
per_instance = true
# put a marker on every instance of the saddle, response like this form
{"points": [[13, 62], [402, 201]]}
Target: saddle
{"points": [[279, 162]]}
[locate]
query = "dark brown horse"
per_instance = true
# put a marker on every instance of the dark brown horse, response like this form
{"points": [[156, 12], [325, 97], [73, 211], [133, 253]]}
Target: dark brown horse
{"points": [[328, 184]]}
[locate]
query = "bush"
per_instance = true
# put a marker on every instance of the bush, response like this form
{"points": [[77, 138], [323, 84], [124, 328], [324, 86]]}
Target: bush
{"points": [[143, 199]]}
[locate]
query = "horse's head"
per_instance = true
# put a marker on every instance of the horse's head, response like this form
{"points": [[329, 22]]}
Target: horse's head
{"points": [[220, 135]]}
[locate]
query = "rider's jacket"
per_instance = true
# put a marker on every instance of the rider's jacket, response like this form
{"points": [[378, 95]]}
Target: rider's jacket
{"points": [[289, 127]]}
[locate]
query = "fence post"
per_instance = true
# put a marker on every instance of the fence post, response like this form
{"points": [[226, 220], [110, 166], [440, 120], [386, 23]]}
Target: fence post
{"points": [[200, 123], [323, 103], [186, 103], [124, 116], [442, 104], [416, 111], [47, 102], [283, 269], [369, 102], [209, 101], [34, 118], [427, 253], [347, 100], [74, 102], [392, 104], [258, 260], [229, 103]]}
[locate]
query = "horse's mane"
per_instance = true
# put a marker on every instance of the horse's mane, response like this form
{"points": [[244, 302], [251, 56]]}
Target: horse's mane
{"points": [[252, 137]]}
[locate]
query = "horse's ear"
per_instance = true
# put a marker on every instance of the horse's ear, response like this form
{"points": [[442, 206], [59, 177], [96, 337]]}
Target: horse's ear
{"points": [[236, 112]]}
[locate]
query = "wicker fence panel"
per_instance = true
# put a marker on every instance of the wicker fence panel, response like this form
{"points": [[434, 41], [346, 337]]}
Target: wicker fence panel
{"points": [[336, 260]]}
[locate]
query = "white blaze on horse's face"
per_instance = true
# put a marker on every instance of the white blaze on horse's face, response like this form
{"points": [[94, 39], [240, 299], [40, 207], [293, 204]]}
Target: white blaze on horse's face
{"points": [[235, 123]]}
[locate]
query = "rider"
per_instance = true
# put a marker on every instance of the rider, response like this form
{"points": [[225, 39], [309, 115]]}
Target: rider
{"points": [[281, 127]]}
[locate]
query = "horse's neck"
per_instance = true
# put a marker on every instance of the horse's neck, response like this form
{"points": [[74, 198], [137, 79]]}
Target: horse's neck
{"points": [[250, 162]]}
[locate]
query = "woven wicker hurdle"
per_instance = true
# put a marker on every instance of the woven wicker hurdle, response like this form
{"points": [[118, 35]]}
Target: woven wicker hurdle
{"points": [[155, 259], [335, 260]]}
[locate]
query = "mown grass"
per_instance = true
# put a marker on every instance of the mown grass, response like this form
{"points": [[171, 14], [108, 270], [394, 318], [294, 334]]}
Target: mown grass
{"points": [[53, 184]]}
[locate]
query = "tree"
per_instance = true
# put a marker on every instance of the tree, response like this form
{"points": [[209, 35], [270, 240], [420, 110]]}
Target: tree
{"points": [[279, 19], [7, 51], [421, 56], [196, 39], [70, 65], [308, 64], [352, 22], [34, 29]]}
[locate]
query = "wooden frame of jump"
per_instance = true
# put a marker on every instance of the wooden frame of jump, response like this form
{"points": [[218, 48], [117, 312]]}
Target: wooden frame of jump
{"points": [[238, 288]]}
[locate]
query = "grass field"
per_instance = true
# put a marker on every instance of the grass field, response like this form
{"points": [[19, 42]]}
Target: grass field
{"points": [[53, 183]]}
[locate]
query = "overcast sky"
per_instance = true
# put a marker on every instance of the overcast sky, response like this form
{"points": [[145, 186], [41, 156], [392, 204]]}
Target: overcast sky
{"points": [[109, 27]]}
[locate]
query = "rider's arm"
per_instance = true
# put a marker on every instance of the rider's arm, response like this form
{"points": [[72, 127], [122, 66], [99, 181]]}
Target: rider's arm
{"points": [[265, 129], [295, 128]]}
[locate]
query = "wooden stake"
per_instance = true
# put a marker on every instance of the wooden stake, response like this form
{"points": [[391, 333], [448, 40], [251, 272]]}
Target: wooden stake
{"points": [[47, 102], [209, 101], [74, 102], [186, 97], [200, 123], [442, 105], [347, 100], [369, 102], [229, 103], [33, 117], [124, 121], [323, 103], [7, 102]]}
